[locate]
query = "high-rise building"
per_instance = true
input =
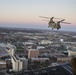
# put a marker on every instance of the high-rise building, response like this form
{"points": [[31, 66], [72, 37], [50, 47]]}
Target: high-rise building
{"points": [[18, 63], [33, 53]]}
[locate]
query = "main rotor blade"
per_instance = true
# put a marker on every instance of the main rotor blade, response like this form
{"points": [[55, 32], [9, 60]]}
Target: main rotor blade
{"points": [[61, 20], [49, 17], [66, 22], [57, 18], [44, 17]]}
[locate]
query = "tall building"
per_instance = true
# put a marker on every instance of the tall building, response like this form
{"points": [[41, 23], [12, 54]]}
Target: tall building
{"points": [[18, 63], [33, 53]]}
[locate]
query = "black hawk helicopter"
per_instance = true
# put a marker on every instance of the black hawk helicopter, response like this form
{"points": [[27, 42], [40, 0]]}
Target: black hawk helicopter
{"points": [[54, 24]]}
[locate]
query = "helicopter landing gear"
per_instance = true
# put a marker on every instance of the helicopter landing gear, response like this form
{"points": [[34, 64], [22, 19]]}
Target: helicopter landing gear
{"points": [[52, 28]]}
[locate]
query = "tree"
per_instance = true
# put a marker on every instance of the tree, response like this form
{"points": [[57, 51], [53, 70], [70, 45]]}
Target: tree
{"points": [[73, 62]]}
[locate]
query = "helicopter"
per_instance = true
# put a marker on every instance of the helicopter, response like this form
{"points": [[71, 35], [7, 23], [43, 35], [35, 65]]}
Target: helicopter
{"points": [[54, 24]]}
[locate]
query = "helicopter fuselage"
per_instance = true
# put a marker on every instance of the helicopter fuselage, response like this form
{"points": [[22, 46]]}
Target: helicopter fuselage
{"points": [[54, 25]]}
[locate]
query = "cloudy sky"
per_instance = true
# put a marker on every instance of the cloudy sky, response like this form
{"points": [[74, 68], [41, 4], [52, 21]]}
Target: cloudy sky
{"points": [[25, 13]]}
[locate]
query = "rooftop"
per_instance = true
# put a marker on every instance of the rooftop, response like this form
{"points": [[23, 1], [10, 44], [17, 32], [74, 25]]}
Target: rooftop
{"points": [[64, 69]]}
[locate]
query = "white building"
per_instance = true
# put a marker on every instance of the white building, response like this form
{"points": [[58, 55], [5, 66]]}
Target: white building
{"points": [[71, 53], [40, 59], [2, 64], [28, 43], [45, 42], [25, 62], [61, 40], [40, 47], [19, 64]]}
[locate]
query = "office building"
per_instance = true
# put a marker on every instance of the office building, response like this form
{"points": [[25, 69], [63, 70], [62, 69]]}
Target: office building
{"points": [[33, 53], [18, 63]]}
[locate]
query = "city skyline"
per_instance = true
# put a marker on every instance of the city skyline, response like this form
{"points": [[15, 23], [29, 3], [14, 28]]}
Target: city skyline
{"points": [[25, 13]]}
